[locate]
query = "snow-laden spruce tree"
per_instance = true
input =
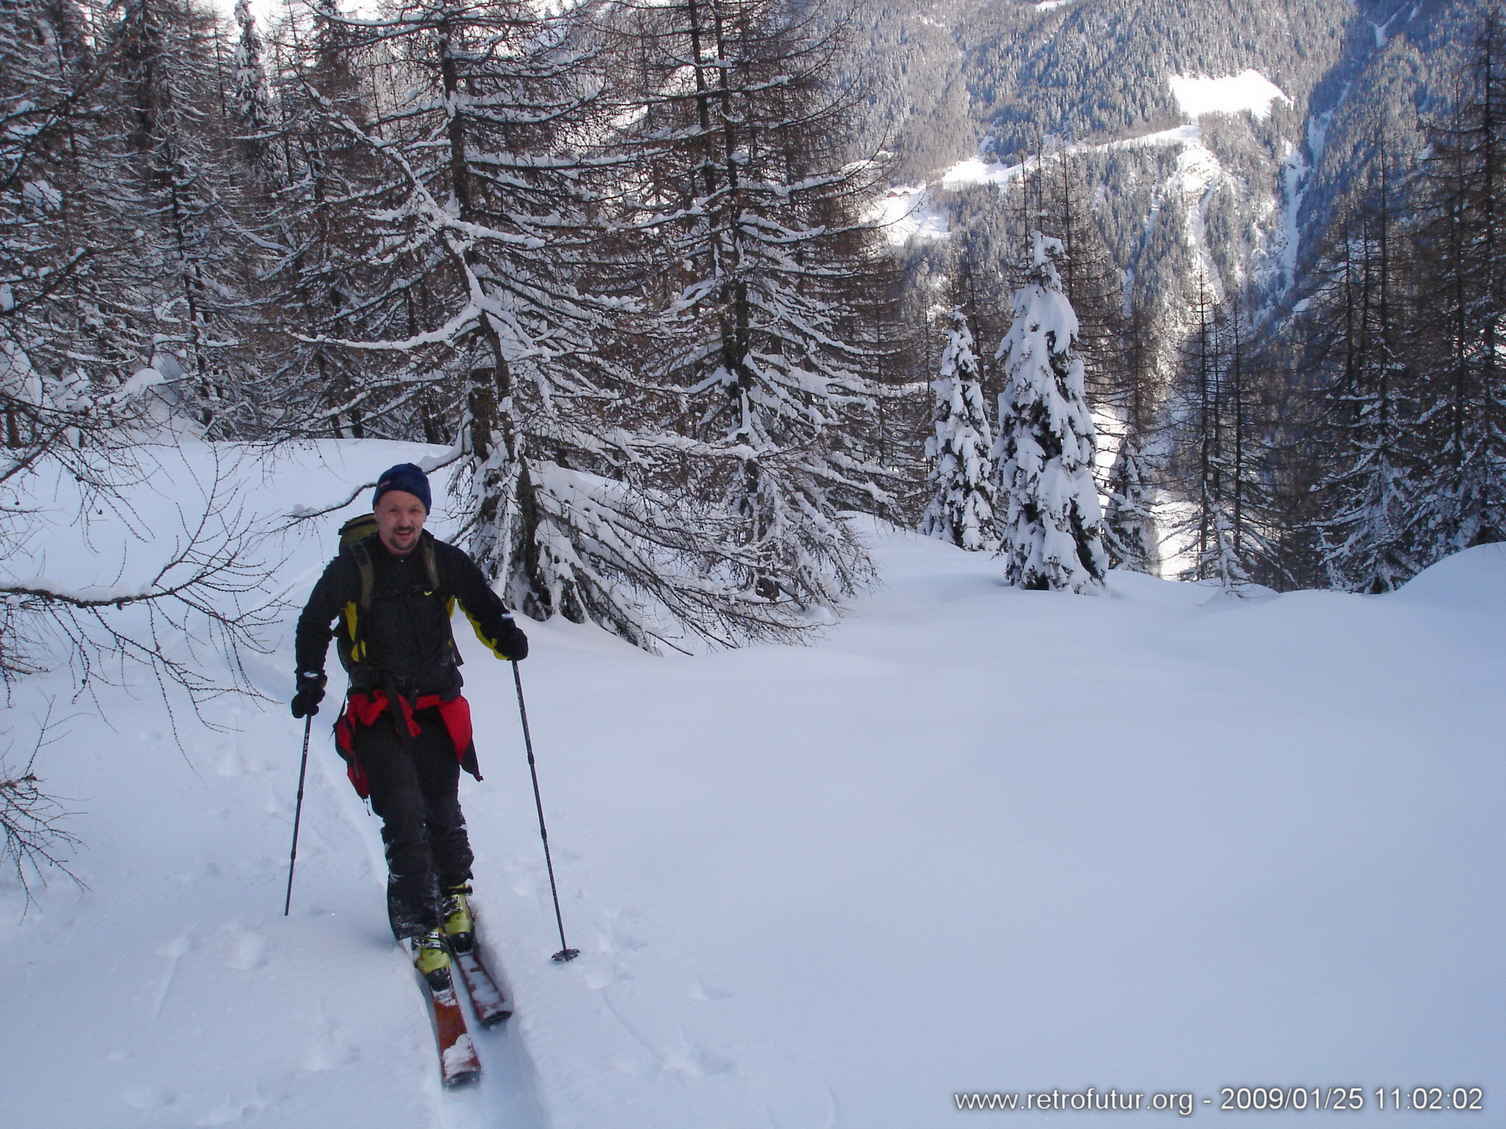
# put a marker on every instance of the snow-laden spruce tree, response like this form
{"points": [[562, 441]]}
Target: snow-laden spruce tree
{"points": [[1052, 529], [1129, 530], [961, 482], [251, 113], [1129, 520]]}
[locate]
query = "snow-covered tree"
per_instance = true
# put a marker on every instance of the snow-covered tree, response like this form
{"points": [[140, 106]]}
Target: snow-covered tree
{"points": [[79, 312], [757, 239], [80, 412], [1223, 459], [462, 248], [251, 112], [471, 222], [1129, 531], [1052, 528], [1356, 329], [323, 286], [42, 75], [1461, 496], [961, 481], [193, 282], [1089, 279]]}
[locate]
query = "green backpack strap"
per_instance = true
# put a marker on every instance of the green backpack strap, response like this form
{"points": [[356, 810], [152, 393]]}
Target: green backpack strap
{"points": [[353, 537], [362, 555], [352, 534], [351, 639]]}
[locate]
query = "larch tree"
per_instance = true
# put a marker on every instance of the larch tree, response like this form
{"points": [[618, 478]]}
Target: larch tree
{"points": [[1461, 498], [492, 268], [196, 308], [471, 218], [1220, 448], [324, 288], [1356, 327], [47, 188], [82, 436], [757, 237]]}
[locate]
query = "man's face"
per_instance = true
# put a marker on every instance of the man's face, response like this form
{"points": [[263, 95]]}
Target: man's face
{"points": [[400, 519]]}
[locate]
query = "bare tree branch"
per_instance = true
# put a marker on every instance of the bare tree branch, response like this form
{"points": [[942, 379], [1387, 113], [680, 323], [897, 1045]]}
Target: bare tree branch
{"points": [[35, 840]]}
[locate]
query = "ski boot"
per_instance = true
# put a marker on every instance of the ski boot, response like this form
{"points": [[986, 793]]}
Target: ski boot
{"points": [[455, 911], [431, 956]]}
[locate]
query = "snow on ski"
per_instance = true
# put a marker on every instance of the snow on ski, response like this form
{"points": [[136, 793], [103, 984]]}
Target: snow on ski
{"points": [[490, 1004], [458, 1061]]}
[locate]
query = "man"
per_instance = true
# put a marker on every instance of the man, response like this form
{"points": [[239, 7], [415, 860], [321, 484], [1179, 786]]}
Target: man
{"points": [[405, 729]]}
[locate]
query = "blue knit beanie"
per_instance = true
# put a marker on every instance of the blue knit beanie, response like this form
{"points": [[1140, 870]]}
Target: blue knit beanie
{"points": [[405, 477]]}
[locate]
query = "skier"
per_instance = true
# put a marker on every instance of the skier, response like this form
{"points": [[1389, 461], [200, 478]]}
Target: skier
{"points": [[405, 730]]}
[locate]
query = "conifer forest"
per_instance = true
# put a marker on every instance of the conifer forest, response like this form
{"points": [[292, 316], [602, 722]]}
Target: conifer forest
{"points": [[630, 263]]}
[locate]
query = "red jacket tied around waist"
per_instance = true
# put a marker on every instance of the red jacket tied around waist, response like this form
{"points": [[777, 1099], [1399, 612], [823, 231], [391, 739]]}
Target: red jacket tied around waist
{"points": [[369, 708]]}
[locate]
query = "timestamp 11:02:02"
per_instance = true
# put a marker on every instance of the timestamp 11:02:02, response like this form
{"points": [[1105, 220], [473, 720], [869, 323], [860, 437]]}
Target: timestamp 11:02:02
{"points": [[1462, 1099]]}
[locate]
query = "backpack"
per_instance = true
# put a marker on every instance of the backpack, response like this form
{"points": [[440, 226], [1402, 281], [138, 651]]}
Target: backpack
{"points": [[354, 534]]}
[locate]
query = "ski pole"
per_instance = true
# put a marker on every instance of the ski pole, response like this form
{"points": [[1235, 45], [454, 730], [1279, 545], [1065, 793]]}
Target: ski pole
{"points": [[308, 727], [565, 953]]}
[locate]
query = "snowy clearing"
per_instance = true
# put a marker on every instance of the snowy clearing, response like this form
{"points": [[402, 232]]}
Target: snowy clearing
{"points": [[907, 213], [1249, 91]]}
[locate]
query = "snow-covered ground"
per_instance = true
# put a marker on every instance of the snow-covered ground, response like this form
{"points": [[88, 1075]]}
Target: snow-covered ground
{"points": [[906, 213], [976, 839]]}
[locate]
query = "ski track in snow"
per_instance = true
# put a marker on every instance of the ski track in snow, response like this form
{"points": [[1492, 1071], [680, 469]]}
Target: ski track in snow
{"points": [[505, 1095]]}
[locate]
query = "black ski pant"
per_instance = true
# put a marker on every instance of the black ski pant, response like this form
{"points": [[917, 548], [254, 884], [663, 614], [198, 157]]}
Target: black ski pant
{"points": [[414, 787]]}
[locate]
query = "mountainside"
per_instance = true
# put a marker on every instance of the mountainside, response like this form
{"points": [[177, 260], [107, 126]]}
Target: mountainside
{"points": [[1187, 177]]}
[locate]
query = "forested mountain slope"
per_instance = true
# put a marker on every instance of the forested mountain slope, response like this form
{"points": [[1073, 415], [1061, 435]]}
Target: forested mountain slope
{"points": [[1243, 195]]}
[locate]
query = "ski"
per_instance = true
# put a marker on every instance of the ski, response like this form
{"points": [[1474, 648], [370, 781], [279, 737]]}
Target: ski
{"points": [[458, 1061], [486, 995]]}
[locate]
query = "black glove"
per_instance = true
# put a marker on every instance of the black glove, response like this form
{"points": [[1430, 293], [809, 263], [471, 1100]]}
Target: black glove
{"points": [[310, 694], [511, 641]]}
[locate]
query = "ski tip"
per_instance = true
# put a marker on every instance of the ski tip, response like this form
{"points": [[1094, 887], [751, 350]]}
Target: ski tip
{"points": [[458, 1062], [495, 1018], [565, 955]]}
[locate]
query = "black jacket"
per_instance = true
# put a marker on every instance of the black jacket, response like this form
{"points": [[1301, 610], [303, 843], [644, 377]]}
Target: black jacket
{"points": [[403, 638]]}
